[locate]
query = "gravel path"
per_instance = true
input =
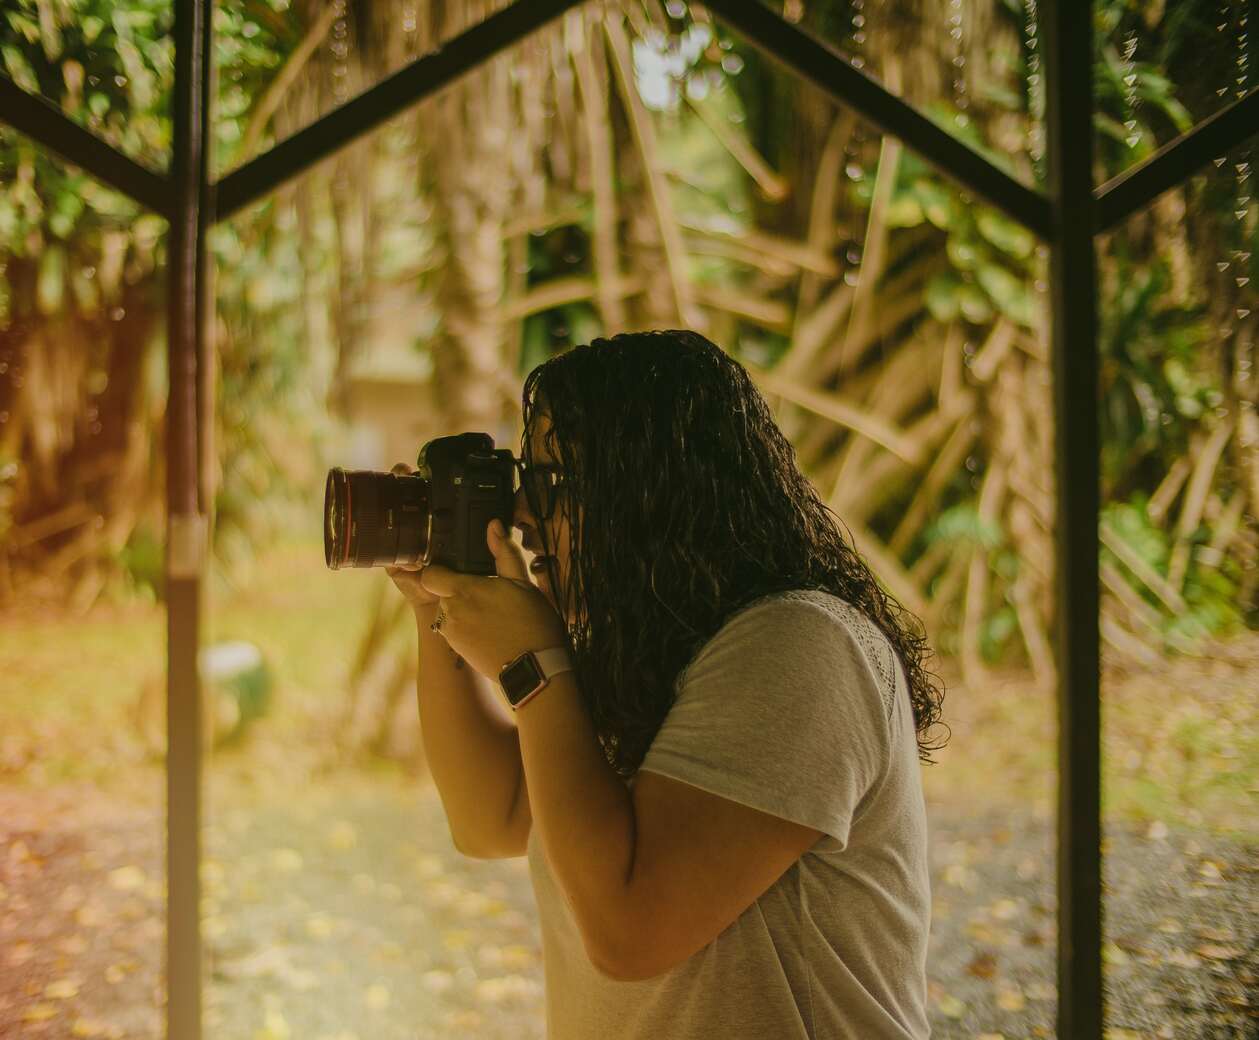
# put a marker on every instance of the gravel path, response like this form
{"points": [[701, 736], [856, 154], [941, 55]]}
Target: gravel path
{"points": [[1182, 930], [342, 912]]}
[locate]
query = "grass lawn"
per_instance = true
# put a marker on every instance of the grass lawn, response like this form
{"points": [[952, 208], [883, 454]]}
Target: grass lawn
{"points": [[70, 686], [1181, 745]]}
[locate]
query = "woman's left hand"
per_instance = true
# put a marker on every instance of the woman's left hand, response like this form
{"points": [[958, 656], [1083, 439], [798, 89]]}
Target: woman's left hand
{"points": [[490, 621]]}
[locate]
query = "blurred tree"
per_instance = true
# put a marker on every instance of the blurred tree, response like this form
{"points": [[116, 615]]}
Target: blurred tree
{"points": [[915, 379], [80, 300], [631, 166]]}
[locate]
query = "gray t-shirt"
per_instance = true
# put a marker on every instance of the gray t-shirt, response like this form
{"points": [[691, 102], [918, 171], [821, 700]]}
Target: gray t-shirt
{"points": [[797, 707]]}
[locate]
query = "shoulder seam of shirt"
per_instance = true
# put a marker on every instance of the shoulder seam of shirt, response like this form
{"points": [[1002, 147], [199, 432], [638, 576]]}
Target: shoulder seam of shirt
{"points": [[875, 647], [760, 601]]}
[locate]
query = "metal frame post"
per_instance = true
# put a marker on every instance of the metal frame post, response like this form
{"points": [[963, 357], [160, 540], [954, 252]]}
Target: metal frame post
{"points": [[1068, 56], [187, 280]]}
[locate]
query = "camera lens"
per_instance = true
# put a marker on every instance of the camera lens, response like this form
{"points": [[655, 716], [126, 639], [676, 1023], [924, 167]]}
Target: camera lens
{"points": [[374, 519]]}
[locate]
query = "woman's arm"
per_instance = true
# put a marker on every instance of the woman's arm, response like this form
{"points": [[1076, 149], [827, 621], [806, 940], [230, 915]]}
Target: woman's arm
{"points": [[472, 746], [583, 810], [653, 874]]}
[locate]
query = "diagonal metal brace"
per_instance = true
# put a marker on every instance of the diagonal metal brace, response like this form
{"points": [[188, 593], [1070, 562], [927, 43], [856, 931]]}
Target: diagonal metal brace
{"points": [[391, 96], [822, 66], [1172, 164], [49, 126]]}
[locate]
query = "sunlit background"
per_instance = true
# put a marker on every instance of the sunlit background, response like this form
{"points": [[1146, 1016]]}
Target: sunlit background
{"points": [[633, 165]]}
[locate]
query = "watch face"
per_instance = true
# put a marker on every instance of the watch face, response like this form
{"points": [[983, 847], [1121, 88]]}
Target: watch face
{"points": [[519, 678]]}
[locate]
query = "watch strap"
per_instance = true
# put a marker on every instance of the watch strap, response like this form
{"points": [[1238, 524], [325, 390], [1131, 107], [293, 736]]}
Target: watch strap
{"points": [[550, 663]]}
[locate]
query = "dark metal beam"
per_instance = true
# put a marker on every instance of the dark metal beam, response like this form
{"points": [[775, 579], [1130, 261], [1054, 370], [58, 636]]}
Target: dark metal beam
{"points": [[1067, 39], [400, 91], [822, 66], [1172, 164], [48, 126], [186, 506]]}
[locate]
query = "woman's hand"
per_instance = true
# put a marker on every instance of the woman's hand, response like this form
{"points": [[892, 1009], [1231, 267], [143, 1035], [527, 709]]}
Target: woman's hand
{"points": [[490, 621], [407, 576]]}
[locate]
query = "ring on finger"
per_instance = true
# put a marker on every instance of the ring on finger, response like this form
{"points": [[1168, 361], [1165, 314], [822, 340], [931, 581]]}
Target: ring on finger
{"points": [[438, 621]]}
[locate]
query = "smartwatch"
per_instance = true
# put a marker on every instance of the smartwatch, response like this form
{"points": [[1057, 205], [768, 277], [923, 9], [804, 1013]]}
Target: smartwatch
{"points": [[526, 676]]}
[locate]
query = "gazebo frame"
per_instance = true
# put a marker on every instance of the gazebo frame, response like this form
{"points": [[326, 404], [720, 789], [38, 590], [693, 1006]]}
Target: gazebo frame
{"points": [[1068, 217]]}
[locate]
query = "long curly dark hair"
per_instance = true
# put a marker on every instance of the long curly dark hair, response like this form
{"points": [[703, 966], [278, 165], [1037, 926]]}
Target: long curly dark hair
{"points": [[691, 507]]}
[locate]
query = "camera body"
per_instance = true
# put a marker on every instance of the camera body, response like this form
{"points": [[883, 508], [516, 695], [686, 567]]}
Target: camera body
{"points": [[439, 514]]}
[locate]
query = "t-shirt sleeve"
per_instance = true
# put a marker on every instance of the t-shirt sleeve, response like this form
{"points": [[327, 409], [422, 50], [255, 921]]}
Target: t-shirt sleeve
{"points": [[779, 711]]}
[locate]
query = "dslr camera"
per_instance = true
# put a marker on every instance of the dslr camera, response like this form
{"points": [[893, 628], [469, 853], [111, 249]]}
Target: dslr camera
{"points": [[436, 515]]}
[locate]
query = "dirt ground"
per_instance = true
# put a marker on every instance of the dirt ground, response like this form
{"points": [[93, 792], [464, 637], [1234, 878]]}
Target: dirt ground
{"points": [[342, 912]]}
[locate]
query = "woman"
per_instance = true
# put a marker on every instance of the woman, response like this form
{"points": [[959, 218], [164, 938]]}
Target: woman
{"points": [[720, 799]]}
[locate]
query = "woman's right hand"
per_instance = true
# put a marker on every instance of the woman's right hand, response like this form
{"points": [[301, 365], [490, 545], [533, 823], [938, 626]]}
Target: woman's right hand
{"points": [[407, 576]]}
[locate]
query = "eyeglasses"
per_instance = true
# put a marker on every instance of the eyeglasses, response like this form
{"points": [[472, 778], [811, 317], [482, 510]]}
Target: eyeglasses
{"points": [[543, 484]]}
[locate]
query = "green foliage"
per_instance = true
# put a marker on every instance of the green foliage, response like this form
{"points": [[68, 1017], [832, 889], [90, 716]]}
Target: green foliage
{"points": [[272, 423], [8, 475], [998, 632], [110, 68], [1155, 379], [1128, 134], [1161, 376], [764, 349], [960, 525], [992, 259], [1210, 592], [1131, 522], [143, 562], [251, 41]]}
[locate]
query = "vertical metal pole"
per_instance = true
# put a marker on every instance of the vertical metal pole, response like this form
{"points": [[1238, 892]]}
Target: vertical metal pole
{"points": [[185, 547], [1067, 37]]}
